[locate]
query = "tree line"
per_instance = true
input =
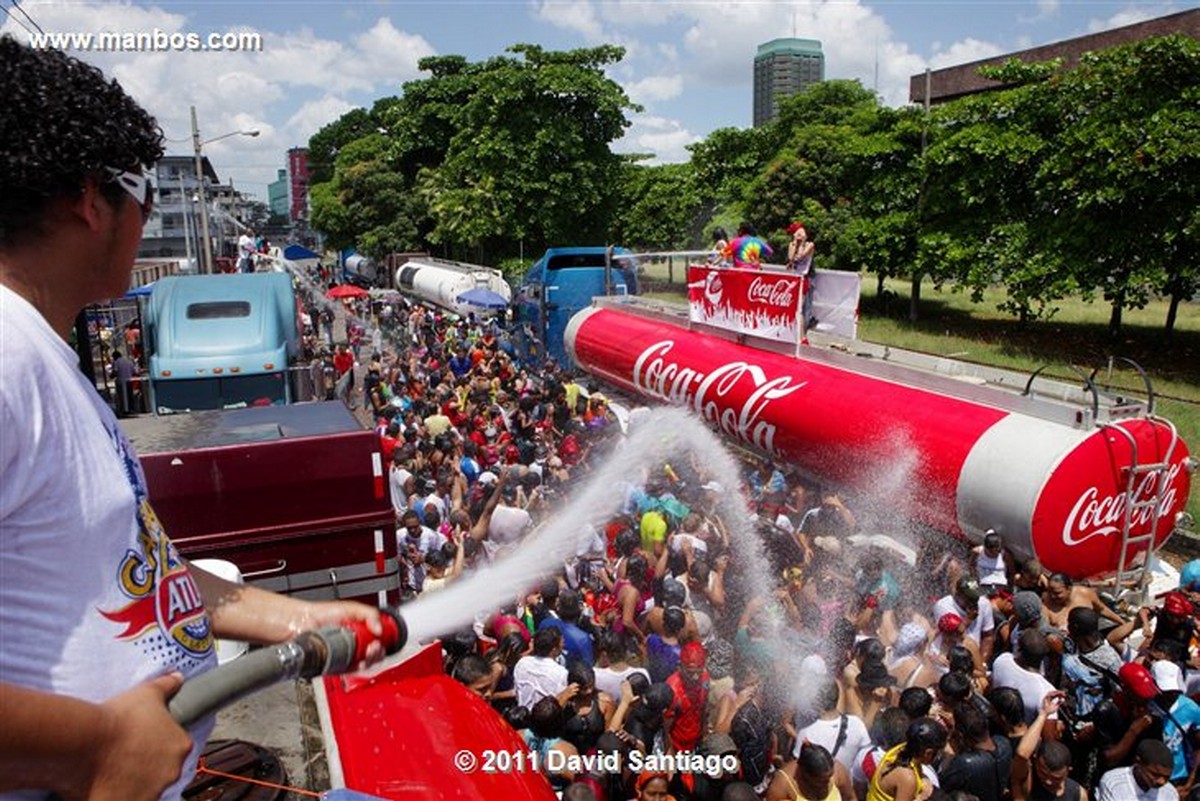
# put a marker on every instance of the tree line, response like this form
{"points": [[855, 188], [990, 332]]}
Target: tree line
{"points": [[1066, 182]]}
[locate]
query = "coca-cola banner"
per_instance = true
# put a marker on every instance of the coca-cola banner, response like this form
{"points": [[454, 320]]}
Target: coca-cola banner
{"points": [[759, 303]]}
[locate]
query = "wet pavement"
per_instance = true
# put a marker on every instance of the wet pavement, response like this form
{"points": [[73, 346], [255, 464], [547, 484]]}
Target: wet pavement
{"points": [[283, 719]]}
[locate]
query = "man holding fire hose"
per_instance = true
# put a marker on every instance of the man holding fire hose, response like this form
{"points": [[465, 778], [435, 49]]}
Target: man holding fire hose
{"points": [[100, 618]]}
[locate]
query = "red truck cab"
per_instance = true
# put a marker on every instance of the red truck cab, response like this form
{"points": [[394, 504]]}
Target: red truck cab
{"points": [[295, 496]]}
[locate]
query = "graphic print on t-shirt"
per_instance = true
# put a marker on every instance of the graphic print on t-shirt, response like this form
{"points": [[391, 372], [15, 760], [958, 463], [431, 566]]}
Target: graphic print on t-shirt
{"points": [[165, 611]]}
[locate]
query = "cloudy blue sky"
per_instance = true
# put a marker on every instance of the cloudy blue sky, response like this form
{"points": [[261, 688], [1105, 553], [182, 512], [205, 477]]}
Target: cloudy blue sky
{"points": [[688, 62]]}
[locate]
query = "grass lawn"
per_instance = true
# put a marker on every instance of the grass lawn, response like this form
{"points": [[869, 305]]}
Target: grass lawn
{"points": [[1076, 336]]}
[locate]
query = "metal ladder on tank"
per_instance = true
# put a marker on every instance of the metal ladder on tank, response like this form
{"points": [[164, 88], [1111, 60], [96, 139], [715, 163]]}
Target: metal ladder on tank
{"points": [[1138, 576]]}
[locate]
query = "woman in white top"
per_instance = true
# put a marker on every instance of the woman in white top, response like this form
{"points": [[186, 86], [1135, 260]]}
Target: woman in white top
{"points": [[612, 666], [991, 564]]}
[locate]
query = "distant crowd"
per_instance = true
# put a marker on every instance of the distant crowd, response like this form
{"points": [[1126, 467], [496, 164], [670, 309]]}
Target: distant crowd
{"points": [[854, 669]]}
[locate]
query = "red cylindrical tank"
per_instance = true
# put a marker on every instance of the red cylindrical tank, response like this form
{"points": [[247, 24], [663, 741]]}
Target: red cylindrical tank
{"points": [[1051, 490]]}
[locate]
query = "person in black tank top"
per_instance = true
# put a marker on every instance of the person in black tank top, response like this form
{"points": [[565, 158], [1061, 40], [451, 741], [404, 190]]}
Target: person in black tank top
{"points": [[1050, 779], [585, 720]]}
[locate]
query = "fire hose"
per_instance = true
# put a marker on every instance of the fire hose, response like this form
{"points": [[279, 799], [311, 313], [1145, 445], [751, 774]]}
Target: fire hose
{"points": [[323, 652]]}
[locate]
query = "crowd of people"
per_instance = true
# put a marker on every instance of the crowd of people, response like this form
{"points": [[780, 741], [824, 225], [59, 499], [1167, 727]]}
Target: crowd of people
{"points": [[851, 670]]}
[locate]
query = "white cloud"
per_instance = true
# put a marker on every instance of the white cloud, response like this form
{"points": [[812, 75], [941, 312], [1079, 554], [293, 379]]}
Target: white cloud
{"points": [[587, 19], [386, 53], [301, 58], [1045, 10], [572, 15], [1130, 16], [965, 52], [251, 91], [315, 115], [722, 39], [666, 138], [655, 87]]}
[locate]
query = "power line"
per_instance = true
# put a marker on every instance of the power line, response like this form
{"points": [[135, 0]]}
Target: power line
{"points": [[9, 14], [25, 14]]}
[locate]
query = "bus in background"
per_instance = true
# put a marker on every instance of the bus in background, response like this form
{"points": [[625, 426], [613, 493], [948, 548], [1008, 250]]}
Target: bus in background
{"points": [[221, 342], [559, 284]]}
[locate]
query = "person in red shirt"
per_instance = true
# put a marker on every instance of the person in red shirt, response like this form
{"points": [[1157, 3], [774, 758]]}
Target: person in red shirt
{"points": [[343, 360], [685, 717], [387, 443]]}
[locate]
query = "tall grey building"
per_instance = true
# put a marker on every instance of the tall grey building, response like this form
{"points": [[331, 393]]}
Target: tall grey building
{"points": [[784, 67]]}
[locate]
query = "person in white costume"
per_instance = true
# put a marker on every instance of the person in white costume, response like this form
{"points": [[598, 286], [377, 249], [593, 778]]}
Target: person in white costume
{"points": [[100, 618]]}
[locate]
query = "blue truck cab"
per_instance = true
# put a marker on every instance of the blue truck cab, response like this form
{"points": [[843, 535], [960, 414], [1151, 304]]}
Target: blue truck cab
{"points": [[221, 341], [560, 283]]}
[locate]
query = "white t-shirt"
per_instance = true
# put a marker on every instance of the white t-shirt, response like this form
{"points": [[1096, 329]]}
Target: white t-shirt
{"points": [[245, 246], [609, 680], [991, 569], [1032, 686], [508, 523], [398, 479], [535, 677], [1118, 784], [94, 599], [983, 624], [825, 733]]}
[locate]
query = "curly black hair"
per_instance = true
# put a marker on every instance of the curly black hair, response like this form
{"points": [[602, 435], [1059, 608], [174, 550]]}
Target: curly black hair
{"points": [[61, 121]]}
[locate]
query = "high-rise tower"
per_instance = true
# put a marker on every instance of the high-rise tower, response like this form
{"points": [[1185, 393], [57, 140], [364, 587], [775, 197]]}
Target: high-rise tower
{"points": [[783, 67]]}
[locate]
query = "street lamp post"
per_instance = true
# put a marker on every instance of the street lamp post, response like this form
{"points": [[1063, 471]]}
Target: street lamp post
{"points": [[205, 246]]}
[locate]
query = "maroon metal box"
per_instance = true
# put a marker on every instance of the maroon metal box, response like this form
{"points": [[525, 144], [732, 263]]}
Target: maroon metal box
{"points": [[295, 496]]}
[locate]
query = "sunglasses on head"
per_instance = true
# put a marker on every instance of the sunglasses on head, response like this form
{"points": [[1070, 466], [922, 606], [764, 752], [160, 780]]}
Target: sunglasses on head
{"points": [[138, 187]]}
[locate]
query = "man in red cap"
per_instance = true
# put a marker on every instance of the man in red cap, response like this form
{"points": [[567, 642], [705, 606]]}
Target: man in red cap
{"points": [[1176, 619], [1130, 716], [685, 717]]}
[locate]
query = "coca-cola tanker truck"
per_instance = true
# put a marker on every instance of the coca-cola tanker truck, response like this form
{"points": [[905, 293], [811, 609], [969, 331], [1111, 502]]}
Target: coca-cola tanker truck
{"points": [[1083, 482]]}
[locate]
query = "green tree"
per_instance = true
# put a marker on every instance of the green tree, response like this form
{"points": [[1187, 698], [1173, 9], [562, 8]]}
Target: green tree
{"points": [[325, 144], [421, 126], [1124, 174], [847, 168], [724, 165], [659, 208], [368, 204], [530, 155], [979, 194], [1081, 180]]}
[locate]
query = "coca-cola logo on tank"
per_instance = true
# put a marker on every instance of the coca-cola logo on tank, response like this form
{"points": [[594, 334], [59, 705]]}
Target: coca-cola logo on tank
{"points": [[1088, 503], [1096, 515], [735, 397]]}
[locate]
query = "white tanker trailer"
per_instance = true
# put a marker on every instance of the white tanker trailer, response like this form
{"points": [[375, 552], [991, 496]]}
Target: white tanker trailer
{"points": [[454, 286]]}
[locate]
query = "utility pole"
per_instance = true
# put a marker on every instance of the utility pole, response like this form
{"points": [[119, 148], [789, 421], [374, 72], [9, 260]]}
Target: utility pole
{"points": [[203, 249]]}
